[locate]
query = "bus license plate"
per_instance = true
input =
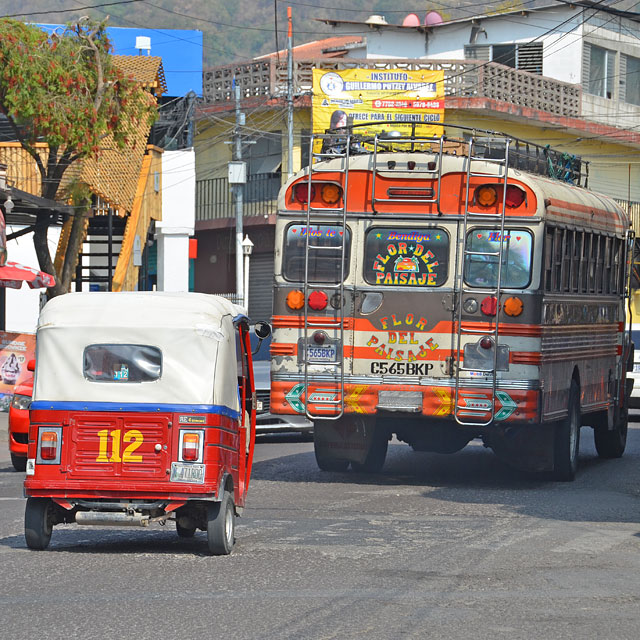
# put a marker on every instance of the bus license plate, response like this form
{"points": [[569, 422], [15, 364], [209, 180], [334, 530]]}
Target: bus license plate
{"points": [[326, 353], [636, 367], [181, 472]]}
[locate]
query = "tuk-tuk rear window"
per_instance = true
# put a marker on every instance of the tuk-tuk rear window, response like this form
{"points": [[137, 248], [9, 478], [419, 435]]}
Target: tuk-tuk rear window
{"points": [[122, 363]]}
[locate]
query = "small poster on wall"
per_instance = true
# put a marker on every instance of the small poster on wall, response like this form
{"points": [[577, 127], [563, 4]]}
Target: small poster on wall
{"points": [[16, 349]]}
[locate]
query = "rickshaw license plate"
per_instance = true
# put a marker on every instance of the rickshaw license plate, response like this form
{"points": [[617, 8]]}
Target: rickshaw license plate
{"points": [[181, 472], [326, 353]]}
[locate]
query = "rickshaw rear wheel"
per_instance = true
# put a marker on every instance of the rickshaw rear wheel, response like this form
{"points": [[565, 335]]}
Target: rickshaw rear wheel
{"points": [[19, 462], [221, 526], [38, 523]]}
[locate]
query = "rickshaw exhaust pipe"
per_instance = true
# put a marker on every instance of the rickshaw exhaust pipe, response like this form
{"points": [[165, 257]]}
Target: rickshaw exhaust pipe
{"points": [[111, 519]]}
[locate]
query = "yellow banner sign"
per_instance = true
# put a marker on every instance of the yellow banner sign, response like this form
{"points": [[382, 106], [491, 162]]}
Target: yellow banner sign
{"points": [[385, 99]]}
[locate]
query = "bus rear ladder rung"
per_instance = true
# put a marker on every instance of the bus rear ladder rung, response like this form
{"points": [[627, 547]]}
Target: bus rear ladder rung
{"points": [[491, 160], [497, 176], [318, 210], [467, 252]]}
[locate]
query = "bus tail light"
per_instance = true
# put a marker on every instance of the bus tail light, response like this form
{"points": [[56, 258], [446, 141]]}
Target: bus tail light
{"points": [[515, 196], [489, 306], [470, 305], [336, 301], [301, 192], [318, 300], [513, 306], [486, 342], [319, 337], [410, 193], [295, 299], [190, 446], [330, 193], [486, 195], [49, 444]]}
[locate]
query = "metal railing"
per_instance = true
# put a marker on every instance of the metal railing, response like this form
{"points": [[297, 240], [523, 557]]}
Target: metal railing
{"points": [[462, 79], [214, 199]]}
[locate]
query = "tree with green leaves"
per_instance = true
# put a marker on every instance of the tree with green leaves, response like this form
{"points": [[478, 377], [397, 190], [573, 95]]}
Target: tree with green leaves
{"points": [[63, 89]]}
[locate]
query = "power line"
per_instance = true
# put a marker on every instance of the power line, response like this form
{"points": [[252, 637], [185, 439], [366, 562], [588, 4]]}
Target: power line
{"points": [[91, 6]]}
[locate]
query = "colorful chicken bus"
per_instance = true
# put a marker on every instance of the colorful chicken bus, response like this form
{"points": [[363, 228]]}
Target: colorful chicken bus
{"points": [[441, 290]]}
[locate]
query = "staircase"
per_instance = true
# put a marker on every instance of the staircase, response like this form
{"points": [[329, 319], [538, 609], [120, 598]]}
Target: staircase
{"points": [[99, 256]]}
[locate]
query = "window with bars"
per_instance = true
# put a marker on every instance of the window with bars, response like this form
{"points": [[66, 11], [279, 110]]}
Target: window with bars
{"points": [[599, 71], [582, 262], [525, 56], [630, 79]]}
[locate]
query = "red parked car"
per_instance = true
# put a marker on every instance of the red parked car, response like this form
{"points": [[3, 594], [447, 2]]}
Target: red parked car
{"points": [[19, 423]]}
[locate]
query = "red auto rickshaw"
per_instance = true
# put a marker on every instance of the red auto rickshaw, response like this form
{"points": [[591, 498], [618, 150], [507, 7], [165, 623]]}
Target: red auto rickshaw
{"points": [[143, 411]]}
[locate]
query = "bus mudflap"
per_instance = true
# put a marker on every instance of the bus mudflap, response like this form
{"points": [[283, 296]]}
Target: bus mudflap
{"points": [[524, 447]]}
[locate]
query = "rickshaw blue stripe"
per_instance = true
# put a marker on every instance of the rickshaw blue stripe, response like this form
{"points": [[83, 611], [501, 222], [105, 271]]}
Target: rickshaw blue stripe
{"points": [[136, 407]]}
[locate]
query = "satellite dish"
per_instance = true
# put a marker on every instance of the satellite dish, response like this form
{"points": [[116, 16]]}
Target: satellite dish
{"points": [[411, 20], [433, 18]]}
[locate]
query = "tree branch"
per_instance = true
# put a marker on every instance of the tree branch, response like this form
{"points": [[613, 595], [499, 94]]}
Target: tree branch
{"points": [[27, 147]]}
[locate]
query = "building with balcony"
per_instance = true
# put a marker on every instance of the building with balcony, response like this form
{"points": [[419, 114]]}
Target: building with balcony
{"points": [[540, 77]]}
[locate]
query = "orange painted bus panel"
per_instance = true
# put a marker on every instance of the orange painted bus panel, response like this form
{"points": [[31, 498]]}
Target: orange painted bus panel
{"points": [[512, 405]]}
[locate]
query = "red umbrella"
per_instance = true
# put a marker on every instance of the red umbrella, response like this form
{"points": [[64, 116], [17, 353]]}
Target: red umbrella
{"points": [[13, 275]]}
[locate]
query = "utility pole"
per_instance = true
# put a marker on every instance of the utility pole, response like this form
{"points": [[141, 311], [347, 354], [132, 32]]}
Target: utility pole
{"points": [[238, 189], [290, 94]]}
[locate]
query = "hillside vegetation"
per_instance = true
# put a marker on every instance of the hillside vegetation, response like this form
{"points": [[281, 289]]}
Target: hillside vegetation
{"points": [[237, 30], [243, 29]]}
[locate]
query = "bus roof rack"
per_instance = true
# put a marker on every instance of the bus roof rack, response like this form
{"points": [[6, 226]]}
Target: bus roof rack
{"points": [[523, 155]]}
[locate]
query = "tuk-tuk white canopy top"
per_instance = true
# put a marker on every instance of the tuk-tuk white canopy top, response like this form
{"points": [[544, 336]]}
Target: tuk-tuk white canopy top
{"points": [[194, 332]]}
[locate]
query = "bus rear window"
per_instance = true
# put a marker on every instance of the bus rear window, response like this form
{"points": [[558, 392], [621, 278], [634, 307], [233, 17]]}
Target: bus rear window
{"points": [[481, 269], [122, 363], [325, 249], [405, 257]]}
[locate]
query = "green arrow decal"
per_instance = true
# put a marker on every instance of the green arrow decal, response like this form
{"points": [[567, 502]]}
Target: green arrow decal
{"points": [[293, 398], [508, 405]]}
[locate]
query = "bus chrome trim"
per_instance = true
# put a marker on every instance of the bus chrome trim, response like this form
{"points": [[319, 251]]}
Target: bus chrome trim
{"points": [[526, 385]]}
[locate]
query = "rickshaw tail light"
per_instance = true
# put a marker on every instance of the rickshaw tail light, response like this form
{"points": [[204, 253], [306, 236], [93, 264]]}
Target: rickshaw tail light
{"points": [[49, 445], [190, 446]]}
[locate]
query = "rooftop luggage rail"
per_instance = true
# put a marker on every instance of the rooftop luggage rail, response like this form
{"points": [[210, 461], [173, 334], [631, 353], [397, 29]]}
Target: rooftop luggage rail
{"points": [[523, 155]]}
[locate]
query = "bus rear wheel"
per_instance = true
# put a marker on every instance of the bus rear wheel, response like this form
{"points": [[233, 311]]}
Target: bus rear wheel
{"points": [[38, 523], [567, 439], [221, 526], [611, 443]]}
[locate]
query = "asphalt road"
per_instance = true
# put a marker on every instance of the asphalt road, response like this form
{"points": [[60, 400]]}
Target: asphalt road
{"points": [[436, 546]]}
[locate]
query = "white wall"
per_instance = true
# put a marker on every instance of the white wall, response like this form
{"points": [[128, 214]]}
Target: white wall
{"points": [[562, 47], [394, 43], [178, 219], [23, 305]]}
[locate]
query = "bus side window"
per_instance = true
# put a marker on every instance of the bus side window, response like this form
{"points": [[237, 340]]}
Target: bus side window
{"points": [[575, 261], [548, 252], [557, 259]]}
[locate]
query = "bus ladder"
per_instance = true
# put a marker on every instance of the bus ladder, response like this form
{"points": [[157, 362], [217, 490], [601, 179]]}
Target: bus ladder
{"points": [[433, 170], [336, 216], [465, 409]]}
